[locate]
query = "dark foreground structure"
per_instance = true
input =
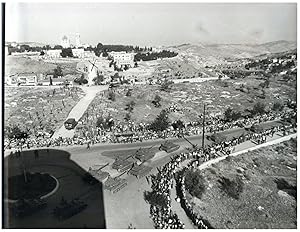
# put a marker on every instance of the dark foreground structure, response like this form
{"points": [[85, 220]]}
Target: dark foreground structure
{"points": [[70, 202]]}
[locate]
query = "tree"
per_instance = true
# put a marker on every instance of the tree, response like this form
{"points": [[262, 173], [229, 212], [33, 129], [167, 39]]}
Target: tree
{"points": [[57, 72], [16, 133], [42, 53], [127, 117], [166, 86], [81, 80], [105, 123], [104, 53], [259, 108], [98, 79], [67, 52], [277, 106], [231, 115], [58, 47], [129, 93], [153, 198], [233, 188], [178, 124], [161, 122], [111, 96], [156, 101], [130, 106], [195, 183], [99, 46]]}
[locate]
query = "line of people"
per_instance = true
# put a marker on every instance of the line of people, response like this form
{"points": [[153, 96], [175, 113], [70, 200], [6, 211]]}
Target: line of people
{"points": [[139, 133], [163, 181]]}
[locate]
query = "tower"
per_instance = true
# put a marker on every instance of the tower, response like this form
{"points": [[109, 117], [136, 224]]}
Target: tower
{"points": [[77, 40], [65, 42]]}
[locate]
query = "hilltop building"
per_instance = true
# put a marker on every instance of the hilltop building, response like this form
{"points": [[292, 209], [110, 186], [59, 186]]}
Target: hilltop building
{"points": [[122, 59], [65, 42], [77, 41], [53, 53]]}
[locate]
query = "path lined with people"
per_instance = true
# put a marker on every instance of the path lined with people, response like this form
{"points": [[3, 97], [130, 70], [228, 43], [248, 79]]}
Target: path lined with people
{"points": [[79, 109], [162, 183]]}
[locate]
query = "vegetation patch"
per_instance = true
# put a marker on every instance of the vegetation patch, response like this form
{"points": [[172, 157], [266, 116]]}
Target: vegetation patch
{"points": [[283, 185], [233, 188], [153, 198], [195, 183]]}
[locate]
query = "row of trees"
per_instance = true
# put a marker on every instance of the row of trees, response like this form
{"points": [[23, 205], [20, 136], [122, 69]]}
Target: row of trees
{"points": [[154, 55], [258, 108], [104, 49]]}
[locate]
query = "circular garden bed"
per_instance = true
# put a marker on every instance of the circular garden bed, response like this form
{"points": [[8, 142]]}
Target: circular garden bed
{"points": [[35, 186]]}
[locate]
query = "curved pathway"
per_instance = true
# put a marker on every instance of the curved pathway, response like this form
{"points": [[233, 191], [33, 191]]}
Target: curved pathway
{"points": [[245, 150], [79, 109]]}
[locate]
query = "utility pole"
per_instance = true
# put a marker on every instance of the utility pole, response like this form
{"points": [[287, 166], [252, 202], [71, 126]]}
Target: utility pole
{"points": [[203, 127]]}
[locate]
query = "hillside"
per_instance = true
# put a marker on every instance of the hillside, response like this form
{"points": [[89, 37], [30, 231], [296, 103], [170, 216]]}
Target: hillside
{"points": [[19, 64], [212, 54]]}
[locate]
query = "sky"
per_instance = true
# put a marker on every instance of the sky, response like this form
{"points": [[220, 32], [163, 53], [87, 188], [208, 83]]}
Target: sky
{"points": [[151, 24]]}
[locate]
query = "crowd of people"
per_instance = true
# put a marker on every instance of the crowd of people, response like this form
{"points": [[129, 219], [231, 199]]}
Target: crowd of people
{"points": [[196, 219], [129, 132], [162, 183]]}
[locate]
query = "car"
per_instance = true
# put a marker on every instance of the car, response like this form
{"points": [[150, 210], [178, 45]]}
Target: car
{"points": [[70, 123]]}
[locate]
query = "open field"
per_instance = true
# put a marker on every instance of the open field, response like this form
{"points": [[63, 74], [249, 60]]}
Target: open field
{"points": [[22, 64], [266, 197], [39, 108], [187, 99]]}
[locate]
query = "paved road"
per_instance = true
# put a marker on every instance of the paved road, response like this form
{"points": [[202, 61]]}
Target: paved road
{"points": [[79, 109]]}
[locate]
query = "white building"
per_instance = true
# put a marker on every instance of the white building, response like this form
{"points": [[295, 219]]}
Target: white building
{"points": [[65, 42], [123, 58], [27, 79], [53, 53], [78, 52]]}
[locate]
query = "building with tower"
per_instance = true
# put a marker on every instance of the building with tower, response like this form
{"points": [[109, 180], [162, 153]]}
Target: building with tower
{"points": [[65, 42], [77, 41]]}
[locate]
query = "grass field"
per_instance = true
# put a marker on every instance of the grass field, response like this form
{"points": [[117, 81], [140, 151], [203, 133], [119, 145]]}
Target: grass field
{"points": [[267, 194]]}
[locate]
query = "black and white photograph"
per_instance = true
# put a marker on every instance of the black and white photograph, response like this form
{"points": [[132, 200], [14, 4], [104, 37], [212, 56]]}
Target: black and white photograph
{"points": [[149, 115]]}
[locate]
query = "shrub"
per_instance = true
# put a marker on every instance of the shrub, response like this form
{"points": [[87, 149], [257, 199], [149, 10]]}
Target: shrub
{"points": [[259, 108], [282, 184], [156, 199], [111, 96], [231, 115], [195, 183], [161, 122], [233, 188], [156, 101], [277, 106], [129, 106], [129, 93]]}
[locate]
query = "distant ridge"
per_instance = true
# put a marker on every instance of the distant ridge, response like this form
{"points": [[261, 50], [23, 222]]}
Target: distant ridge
{"points": [[218, 52]]}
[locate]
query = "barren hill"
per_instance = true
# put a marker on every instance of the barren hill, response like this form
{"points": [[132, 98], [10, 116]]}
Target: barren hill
{"points": [[212, 54]]}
